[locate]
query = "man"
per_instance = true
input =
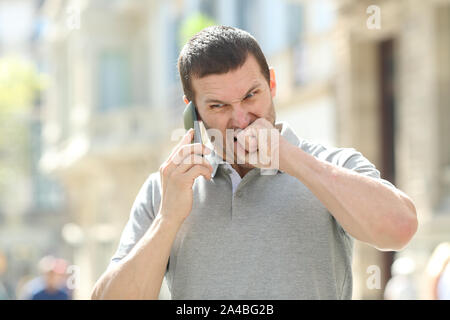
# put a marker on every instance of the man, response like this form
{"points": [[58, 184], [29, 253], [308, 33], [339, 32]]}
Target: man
{"points": [[50, 285], [236, 233], [4, 292]]}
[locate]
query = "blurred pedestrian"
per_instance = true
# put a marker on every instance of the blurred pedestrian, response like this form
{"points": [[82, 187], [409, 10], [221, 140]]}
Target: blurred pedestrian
{"points": [[51, 284], [402, 286], [4, 294], [438, 272]]}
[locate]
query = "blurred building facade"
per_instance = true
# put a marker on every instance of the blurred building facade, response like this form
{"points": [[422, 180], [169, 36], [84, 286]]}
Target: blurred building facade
{"points": [[32, 210], [109, 111], [393, 105], [116, 99]]}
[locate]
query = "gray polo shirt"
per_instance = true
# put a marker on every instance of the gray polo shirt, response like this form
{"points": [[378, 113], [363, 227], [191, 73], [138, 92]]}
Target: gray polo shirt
{"points": [[271, 239]]}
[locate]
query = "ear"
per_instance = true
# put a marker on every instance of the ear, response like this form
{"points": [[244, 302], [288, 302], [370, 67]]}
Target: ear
{"points": [[273, 82]]}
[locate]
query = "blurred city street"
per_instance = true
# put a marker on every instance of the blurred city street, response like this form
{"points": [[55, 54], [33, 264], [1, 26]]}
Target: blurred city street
{"points": [[90, 98]]}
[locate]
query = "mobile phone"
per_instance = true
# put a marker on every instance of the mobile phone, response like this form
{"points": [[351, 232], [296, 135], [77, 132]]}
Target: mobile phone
{"points": [[191, 121]]}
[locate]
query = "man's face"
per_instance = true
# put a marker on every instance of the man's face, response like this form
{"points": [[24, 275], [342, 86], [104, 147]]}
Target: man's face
{"points": [[233, 101]]}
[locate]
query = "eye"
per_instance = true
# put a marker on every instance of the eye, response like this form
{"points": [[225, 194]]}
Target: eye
{"points": [[216, 106], [251, 95]]}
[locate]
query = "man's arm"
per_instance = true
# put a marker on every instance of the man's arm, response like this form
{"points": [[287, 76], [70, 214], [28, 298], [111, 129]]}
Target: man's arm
{"points": [[140, 274], [367, 209]]}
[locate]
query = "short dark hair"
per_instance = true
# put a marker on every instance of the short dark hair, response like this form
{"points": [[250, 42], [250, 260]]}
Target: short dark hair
{"points": [[217, 50]]}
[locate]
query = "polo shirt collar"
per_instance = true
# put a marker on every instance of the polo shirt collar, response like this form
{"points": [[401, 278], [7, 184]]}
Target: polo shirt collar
{"points": [[286, 132]]}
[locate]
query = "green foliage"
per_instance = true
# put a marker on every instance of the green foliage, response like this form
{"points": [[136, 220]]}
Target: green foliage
{"points": [[192, 25], [19, 84]]}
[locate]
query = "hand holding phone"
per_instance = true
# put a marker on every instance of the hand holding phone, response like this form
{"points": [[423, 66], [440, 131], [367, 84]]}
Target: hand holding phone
{"points": [[178, 173]]}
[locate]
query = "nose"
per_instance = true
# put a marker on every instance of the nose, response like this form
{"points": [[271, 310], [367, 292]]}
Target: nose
{"points": [[240, 117]]}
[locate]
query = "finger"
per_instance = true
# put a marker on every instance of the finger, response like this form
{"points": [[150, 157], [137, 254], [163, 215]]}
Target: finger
{"points": [[264, 152], [252, 143], [263, 123], [196, 171], [186, 139], [186, 150], [248, 138], [241, 154], [192, 160], [167, 167]]}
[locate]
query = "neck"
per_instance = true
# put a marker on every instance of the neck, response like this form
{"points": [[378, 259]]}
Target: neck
{"points": [[242, 171]]}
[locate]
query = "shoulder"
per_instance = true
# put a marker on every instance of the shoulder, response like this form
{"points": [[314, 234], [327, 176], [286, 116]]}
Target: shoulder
{"points": [[153, 180], [148, 196], [150, 187], [340, 156], [348, 158]]}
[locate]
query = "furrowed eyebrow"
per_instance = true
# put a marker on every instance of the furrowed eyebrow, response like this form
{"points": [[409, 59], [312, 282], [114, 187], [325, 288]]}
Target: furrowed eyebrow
{"points": [[251, 89], [214, 101], [208, 101]]}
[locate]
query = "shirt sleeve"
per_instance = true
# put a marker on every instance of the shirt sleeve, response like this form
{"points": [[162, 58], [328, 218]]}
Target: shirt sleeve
{"points": [[355, 161], [348, 158], [141, 217]]}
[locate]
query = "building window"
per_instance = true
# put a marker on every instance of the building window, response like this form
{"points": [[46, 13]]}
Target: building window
{"points": [[295, 22], [277, 25], [209, 7], [114, 80], [247, 16], [313, 57]]}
